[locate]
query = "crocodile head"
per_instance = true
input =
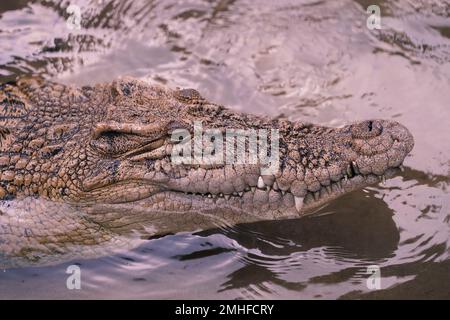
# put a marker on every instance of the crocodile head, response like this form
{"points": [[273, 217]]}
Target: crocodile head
{"points": [[118, 145]]}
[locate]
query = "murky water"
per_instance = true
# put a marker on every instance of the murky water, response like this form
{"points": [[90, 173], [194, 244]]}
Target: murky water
{"points": [[310, 60]]}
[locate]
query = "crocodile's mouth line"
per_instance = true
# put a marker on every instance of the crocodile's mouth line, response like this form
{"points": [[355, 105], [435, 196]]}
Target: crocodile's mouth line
{"points": [[347, 182], [333, 190]]}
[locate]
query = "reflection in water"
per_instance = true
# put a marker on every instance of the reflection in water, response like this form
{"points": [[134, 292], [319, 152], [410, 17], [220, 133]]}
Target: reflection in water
{"points": [[308, 60], [341, 243]]}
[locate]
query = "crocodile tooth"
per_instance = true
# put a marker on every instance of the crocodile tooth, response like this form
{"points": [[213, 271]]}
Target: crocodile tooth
{"points": [[227, 196], [209, 195], [345, 178], [275, 186], [240, 194], [328, 188], [349, 171], [268, 188], [298, 203], [253, 189], [402, 168], [355, 167], [235, 193], [261, 184], [383, 180], [316, 195], [283, 192], [339, 184]]}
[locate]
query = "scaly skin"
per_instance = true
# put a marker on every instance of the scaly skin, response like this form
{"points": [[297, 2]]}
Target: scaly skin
{"points": [[105, 153]]}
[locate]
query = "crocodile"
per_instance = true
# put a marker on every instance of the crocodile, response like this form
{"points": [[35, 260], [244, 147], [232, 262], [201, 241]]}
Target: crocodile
{"points": [[86, 170]]}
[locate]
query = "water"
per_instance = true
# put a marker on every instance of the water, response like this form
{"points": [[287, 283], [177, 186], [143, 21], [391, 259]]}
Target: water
{"points": [[310, 60]]}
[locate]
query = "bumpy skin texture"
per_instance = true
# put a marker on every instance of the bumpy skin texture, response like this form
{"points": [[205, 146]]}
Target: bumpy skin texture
{"points": [[106, 150]]}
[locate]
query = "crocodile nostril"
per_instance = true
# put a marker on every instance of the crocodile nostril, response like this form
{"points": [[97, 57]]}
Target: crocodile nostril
{"points": [[366, 129]]}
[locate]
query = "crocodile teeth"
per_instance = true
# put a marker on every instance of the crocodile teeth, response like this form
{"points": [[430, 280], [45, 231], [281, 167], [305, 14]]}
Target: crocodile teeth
{"points": [[383, 180], [328, 188], [240, 194], [253, 189], [227, 196], [298, 203], [220, 195], [345, 178], [316, 196], [268, 188], [275, 186], [283, 192], [209, 195], [402, 168], [261, 184]]}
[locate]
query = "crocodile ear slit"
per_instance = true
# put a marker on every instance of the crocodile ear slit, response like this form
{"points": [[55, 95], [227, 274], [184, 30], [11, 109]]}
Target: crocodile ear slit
{"points": [[188, 95]]}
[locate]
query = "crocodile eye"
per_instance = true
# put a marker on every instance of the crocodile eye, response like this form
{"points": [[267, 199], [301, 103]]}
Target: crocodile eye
{"points": [[117, 143]]}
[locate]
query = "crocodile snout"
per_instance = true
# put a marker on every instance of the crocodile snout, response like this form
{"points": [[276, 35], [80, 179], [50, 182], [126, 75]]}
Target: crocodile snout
{"points": [[380, 145], [367, 129]]}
